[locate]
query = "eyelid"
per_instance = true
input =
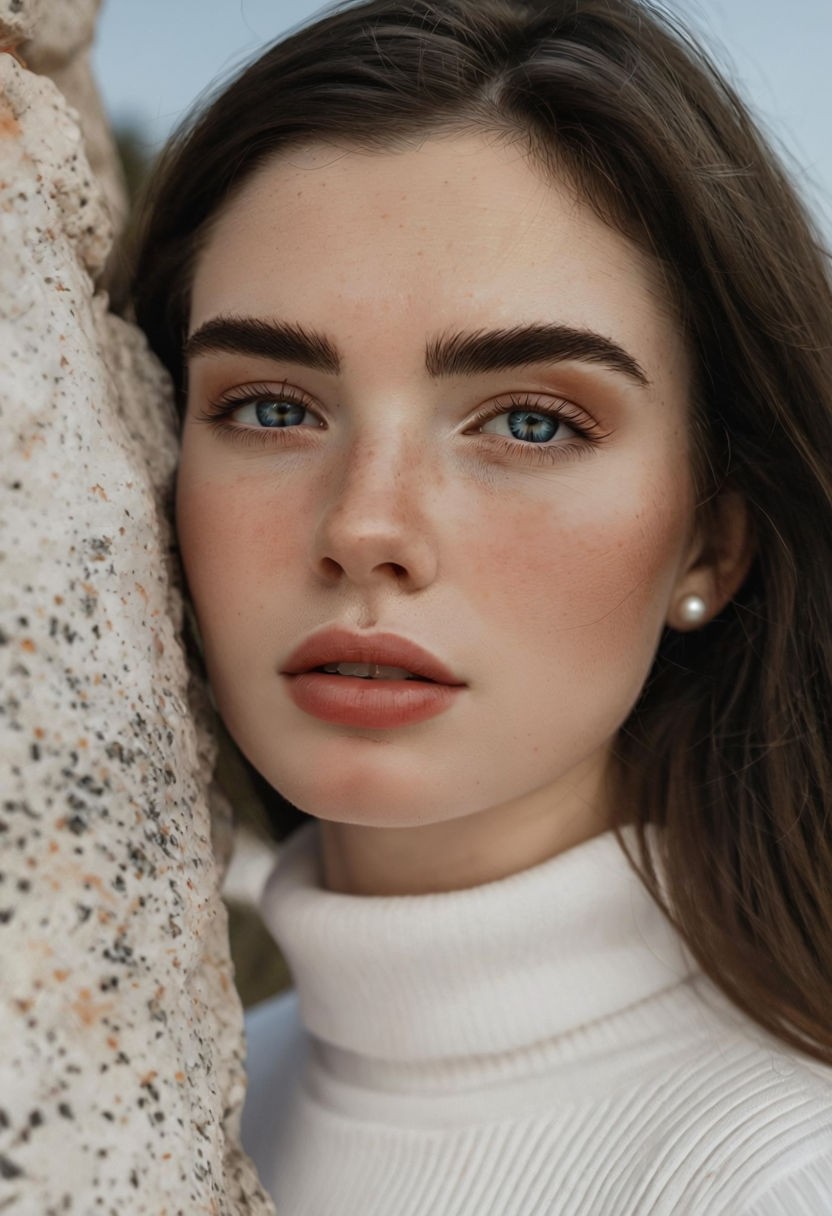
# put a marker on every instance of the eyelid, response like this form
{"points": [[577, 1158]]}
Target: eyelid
{"points": [[556, 407], [244, 394]]}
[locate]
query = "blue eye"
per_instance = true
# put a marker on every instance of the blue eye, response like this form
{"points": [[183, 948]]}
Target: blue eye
{"points": [[529, 426], [279, 412], [266, 411], [524, 424]]}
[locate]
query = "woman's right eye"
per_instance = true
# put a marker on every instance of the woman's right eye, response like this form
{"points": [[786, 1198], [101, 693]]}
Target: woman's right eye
{"points": [[275, 412], [260, 409]]}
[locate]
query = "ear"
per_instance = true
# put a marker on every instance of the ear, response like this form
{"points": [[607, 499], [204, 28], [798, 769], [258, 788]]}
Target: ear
{"points": [[718, 561]]}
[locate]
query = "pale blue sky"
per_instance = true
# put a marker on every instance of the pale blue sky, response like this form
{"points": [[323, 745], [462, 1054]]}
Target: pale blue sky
{"points": [[154, 57]]}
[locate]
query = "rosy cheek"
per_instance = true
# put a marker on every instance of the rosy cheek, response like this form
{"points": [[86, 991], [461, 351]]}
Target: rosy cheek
{"points": [[226, 533], [601, 568]]}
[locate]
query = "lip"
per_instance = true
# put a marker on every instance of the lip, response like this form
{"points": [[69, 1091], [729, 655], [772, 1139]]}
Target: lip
{"points": [[336, 645], [368, 704]]}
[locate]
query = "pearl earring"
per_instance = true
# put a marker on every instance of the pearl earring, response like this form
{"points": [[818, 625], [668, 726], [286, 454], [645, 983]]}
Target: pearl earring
{"points": [[692, 609]]}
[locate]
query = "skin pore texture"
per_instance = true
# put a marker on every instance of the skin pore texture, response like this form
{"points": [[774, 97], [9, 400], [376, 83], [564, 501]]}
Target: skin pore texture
{"points": [[541, 573]]}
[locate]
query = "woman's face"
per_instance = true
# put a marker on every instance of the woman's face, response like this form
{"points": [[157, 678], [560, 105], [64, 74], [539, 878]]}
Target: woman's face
{"points": [[460, 417]]}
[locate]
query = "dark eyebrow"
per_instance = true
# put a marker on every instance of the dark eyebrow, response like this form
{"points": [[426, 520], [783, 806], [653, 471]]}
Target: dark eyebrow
{"points": [[465, 354], [271, 339], [459, 354]]}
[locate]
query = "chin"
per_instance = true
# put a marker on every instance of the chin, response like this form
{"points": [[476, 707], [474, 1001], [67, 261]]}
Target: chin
{"points": [[370, 806], [366, 795]]}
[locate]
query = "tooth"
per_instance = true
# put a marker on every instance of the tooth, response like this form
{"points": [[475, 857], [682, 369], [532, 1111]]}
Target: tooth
{"points": [[354, 669], [372, 671]]}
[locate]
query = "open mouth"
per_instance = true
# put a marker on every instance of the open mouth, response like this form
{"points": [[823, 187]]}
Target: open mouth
{"points": [[357, 689], [371, 671]]}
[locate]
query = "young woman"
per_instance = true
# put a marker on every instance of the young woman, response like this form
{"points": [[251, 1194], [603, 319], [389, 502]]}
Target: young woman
{"points": [[504, 355]]}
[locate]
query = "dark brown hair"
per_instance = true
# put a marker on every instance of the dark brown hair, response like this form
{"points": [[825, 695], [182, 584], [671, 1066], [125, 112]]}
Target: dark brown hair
{"points": [[728, 747]]}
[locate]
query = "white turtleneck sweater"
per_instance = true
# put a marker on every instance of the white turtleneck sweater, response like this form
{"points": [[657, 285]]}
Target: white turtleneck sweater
{"points": [[542, 1044]]}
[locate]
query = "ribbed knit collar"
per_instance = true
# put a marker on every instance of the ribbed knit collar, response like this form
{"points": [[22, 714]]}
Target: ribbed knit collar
{"points": [[489, 969]]}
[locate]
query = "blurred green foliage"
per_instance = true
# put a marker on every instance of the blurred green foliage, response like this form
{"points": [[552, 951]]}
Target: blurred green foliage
{"points": [[136, 155]]}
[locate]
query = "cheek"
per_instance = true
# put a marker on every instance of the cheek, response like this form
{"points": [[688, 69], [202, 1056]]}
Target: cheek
{"points": [[585, 573], [236, 546]]}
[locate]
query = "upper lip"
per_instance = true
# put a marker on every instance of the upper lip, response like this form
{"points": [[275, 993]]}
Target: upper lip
{"points": [[336, 645]]}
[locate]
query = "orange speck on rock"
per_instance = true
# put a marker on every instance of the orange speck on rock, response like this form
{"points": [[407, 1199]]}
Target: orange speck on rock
{"points": [[83, 743], [59, 599], [53, 846], [40, 733], [141, 591], [92, 880], [112, 1041], [64, 361], [148, 1078], [9, 126], [179, 1076], [60, 974], [100, 491], [23, 1005], [87, 1010], [28, 645]]}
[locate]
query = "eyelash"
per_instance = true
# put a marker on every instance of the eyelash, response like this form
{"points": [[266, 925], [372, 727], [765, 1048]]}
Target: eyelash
{"points": [[216, 412], [589, 435]]}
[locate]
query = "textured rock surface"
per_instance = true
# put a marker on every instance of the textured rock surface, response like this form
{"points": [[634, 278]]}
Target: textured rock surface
{"points": [[58, 36], [18, 19], [120, 1070]]}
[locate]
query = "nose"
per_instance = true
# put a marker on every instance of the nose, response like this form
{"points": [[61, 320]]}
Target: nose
{"points": [[375, 526]]}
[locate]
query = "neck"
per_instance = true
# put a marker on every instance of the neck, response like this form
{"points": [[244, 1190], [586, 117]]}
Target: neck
{"points": [[454, 854]]}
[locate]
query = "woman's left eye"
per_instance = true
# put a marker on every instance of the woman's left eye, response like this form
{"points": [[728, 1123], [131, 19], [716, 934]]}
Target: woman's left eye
{"points": [[533, 426], [528, 422]]}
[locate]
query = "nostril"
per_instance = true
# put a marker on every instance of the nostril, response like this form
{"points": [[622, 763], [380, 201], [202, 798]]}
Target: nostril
{"points": [[331, 566]]}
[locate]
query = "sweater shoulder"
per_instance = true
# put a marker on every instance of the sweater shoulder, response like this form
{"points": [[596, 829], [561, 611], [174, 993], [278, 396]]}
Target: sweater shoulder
{"points": [[803, 1191], [275, 1053], [741, 1117]]}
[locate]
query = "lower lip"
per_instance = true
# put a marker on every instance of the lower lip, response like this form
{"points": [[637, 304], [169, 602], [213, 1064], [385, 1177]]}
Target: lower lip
{"points": [[372, 704]]}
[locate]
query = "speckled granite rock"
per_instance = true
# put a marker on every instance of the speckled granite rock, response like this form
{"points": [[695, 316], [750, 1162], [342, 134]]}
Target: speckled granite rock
{"points": [[58, 37], [18, 19], [120, 1070]]}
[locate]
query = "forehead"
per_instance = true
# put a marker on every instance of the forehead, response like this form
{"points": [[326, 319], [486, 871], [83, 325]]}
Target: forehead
{"points": [[461, 229]]}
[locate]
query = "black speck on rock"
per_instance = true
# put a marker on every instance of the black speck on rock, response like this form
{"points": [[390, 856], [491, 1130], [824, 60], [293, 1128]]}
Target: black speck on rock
{"points": [[8, 1169]]}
